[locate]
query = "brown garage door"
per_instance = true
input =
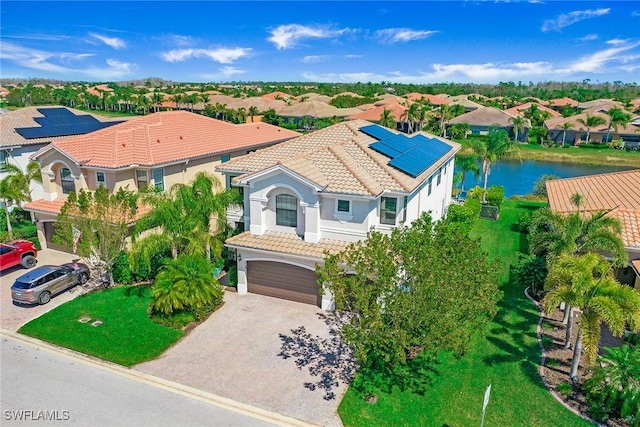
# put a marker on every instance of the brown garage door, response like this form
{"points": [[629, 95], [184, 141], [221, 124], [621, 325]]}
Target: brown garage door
{"points": [[284, 281], [48, 234]]}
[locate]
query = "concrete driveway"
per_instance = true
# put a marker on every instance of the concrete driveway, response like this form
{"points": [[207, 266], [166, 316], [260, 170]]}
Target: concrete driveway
{"points": [[249, 350], [12, 317]]}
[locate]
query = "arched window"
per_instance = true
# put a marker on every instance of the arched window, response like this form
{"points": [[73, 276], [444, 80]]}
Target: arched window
{"points": [[67, 181], [286, 210]]}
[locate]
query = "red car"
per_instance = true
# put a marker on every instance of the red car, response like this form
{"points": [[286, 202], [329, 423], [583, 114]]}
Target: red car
{"points": [[19, 252]]}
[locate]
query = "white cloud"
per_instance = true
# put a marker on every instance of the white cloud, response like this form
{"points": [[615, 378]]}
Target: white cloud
{"points": [[588, 38], [179, 40], [597, 61], [396, 35], [231, 71], [314, 59], [288, 36], [635, 13], [221, 55], [224, 73], [570, 18], [113, 42], [56, 62]]}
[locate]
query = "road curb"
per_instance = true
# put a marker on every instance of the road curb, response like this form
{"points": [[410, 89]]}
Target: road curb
{"points": [[223, 402]]}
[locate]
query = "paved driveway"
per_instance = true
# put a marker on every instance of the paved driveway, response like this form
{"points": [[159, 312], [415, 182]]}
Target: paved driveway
{"points": [[13, 316], [236, 353]]}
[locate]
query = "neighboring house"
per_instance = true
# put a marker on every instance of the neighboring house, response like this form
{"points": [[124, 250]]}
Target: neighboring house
{"points": [[159, 149], [374, 115], [465, 102], [320, 191], [25, 131], [484, 118], [604, 133], [559, 104], [617, 193], [425, 97], [519, 110]]}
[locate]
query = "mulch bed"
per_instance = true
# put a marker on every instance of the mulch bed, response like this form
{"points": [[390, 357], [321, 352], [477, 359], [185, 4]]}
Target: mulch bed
{"points": [[558, 362]]}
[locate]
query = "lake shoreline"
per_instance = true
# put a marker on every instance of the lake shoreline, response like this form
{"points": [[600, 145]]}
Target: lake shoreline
{"points": [[557, 155]]}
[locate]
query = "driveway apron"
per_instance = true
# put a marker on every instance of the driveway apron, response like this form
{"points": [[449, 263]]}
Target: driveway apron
{"points": [[235, 354]]}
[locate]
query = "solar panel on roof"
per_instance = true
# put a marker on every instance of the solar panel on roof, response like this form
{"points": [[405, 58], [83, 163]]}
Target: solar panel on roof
{"points": [[385, 149], [376, 131], [420, 157], [62, 122]]}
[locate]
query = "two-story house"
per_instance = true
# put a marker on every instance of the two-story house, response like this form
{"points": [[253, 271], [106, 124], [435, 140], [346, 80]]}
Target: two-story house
{"points": [[159, 149], [25, 131], [320, 191]]}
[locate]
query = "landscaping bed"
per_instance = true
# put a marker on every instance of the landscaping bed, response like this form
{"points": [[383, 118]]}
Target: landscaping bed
{"points": [[558, 363]]}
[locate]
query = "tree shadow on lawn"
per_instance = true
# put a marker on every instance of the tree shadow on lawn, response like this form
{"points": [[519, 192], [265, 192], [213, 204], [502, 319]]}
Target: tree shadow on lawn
{"points": [[328, 359], [513, 332]]}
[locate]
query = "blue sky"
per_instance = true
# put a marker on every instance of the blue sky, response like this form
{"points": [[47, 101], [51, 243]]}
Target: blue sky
{"points": [[406, 42]]}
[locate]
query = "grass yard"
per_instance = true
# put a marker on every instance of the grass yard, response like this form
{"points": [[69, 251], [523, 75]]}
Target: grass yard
{"points": [[127, 336], [507, 357]]}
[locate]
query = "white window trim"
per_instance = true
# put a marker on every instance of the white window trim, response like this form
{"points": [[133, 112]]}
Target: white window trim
{"points": [[98, 181], [153, 178], [343, 217]]}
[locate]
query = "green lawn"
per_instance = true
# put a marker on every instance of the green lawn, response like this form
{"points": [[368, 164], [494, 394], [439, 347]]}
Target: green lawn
{"points": [[506, 357], [127, 336]]}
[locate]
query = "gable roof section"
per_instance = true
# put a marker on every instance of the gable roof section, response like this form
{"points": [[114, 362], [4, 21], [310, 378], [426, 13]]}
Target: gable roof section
{"points": [[339, 159], [374, 114], [519, 109], [27, 126], [563, 102], [164, 137], [618, 193], [484, 116]]}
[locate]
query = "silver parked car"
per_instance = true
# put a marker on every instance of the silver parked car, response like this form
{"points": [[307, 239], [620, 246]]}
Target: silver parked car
{"points": [[40, 284]]}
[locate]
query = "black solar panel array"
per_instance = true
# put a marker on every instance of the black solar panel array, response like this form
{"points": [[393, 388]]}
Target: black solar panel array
{"points": [[62, 122], [410, 155]]}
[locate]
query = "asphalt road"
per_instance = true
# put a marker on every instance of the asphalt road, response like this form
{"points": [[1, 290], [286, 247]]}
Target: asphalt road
{"points": [[39, 387]]}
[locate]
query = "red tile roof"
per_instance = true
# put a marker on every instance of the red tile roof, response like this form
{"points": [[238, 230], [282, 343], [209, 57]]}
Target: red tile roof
{"points": [[563, 102], [617, 192], [433, 99], [165, 137], [519, 109], [373, 114], [54, 207]]}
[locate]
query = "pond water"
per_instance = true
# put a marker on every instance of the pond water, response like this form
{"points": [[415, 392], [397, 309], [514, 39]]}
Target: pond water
{"points": [[518, 178]]}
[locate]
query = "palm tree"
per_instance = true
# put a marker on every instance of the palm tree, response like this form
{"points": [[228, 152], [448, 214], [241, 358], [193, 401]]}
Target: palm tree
{"points": [[444, 112], [183, 283], [387, 119], [553, 234], [467, 164], [18, 181], [411, 116], [518, 125], [617, 117], [497, 146], [590, 122], [585, 282], [253, 111], [156, 99], [185, 214], [178, 99], [565, 127]]}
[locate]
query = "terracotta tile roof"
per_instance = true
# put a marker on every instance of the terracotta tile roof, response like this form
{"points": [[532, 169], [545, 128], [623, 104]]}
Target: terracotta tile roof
{"points": [[337, 159], [54, 207], [484, 116], [165, 137], [24, 118], [433, 99], [605, 104], [274, 95], [373, 114], [519, 109], [388, 98], [563, 102], [315, 109], [286, 243], [636, 266], [617, 192]]}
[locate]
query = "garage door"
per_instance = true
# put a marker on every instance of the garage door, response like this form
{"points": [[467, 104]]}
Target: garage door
{"points": [[48, 235], [284, 281]]}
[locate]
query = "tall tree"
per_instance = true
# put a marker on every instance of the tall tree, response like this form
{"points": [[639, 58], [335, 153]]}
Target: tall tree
{"points": [[467, 164], [387, 119], [420, 290], [496, 147], [185, 215], [95, 225], [591, 122], [585, 282], [253, 111], [518, 125], [17, 181], [565, 127], [617, 118]]}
